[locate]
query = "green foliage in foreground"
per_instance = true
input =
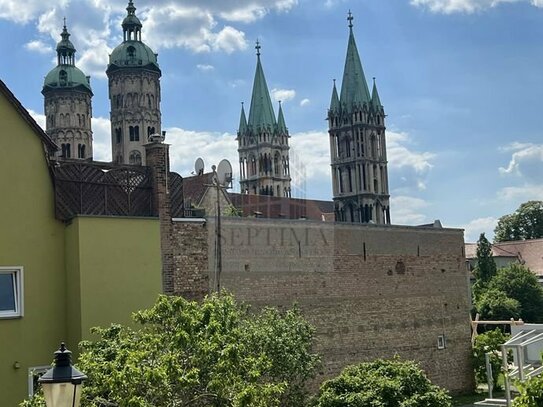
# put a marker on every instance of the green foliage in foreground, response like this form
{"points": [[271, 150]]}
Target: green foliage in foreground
{"points": [[189, 354], [488, 342], [382, 383], [531, 393]]}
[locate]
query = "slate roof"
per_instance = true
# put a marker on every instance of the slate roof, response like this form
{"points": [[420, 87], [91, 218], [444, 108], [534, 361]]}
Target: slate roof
{"points": [[527, 252], [194, 188]]}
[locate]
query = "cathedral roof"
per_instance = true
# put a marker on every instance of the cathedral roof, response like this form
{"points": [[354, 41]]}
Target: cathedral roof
{"points": [[66, 75], [132, 52], [354, 88], [242, 121], [281, 125], [334, 103], [375, 100], [261, 113]]}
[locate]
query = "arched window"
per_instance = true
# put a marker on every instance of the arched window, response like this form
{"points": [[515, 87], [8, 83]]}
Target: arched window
{"points": [[80, 151], [134, 133], [135, 158], [131, 52], [276, 166], [118, 135]]}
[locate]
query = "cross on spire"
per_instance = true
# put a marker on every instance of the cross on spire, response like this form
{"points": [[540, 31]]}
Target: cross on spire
{"points": [[257, 47], [350, 18], [64, 22]]}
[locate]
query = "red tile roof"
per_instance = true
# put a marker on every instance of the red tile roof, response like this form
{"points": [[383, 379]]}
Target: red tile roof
{"points": [[528, 252], [280, 207]]}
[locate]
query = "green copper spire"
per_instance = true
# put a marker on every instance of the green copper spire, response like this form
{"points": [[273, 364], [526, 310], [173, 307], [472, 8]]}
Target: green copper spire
{"points": [[242, 121], [65, 48], [281, 125], [354, 88], [261, 113], [334, 103], [375, 100]]}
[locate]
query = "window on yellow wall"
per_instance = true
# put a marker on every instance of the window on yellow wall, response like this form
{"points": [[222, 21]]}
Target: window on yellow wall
{"points": [[11, 292]]}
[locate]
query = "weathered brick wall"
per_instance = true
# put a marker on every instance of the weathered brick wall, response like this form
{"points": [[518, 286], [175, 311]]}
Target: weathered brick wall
{"points": [[190, 258], [370, 291]]}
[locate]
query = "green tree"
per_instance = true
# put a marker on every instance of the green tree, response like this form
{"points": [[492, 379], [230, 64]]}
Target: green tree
{"points": [[494, 304], [520, 284], [189, 354], [382, 383], [525, 223], [489, 342], [485, 268]]}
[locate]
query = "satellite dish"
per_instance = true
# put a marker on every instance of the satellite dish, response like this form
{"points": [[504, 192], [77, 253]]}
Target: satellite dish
{"points": [[199, 166], [224, 173]]}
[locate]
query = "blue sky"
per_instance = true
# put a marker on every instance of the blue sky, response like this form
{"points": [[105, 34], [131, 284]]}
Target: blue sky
{"points": [[461, 81]]}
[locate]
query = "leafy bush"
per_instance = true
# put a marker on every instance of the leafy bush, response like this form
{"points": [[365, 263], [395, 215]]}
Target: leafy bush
{"points": [[531, 393], [213, 353], [382, 383], [489, 342]]}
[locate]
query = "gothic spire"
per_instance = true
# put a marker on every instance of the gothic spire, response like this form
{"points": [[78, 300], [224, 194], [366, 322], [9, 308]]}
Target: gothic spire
{"points": [[375, 100], [281, 125], [334, 103], [261, 113], [354, 88], [242, 121]]}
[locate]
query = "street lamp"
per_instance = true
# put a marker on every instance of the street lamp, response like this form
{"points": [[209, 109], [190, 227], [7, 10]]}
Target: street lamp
{"points": [[62, 383]]}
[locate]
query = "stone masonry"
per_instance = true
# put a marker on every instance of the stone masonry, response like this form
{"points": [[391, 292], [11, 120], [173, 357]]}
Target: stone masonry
{"points": [[370, 291]]}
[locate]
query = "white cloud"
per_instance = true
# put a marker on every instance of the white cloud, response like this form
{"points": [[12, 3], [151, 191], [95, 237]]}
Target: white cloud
{"points": [[527, 155], [283, 95], [101, 146], [197, 25], [310, 155], [408, 210], [400, 156], [304, 102], [465, 6], [39, 46], [205, 67], [40, 118], [473, 229], [527, 192]]}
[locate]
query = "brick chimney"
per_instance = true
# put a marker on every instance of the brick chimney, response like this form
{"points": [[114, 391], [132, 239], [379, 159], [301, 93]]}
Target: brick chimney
{"points": [[158, 160]]}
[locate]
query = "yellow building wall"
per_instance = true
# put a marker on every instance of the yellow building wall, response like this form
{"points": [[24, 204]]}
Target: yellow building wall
{"points": [[113, 268], [29, 237]]}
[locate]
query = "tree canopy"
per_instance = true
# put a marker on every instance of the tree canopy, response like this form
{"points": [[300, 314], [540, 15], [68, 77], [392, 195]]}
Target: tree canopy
{"points": [[214, 353], [520, 284], [390, 383], [523, 224]]}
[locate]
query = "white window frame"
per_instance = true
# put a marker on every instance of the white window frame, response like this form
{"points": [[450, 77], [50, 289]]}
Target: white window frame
{"points": [[441, 342], [32, 372], [18, 291]]}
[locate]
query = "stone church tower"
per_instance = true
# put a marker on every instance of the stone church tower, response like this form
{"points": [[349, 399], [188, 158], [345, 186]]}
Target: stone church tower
{"points": [[356, 122], [67, 99], [263, 143], [134, 93]]}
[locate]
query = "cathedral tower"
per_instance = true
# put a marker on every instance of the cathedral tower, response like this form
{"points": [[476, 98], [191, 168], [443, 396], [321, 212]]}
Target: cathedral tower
{"points": [[356, 121], [263, 143], [67, 98], [134, 93]]}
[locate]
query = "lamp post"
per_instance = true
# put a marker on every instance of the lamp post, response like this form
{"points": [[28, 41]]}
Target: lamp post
{"points": [[62, 383]]}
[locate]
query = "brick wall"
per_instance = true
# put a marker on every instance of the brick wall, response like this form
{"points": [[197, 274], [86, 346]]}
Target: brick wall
{"points": [[370, 291]]}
